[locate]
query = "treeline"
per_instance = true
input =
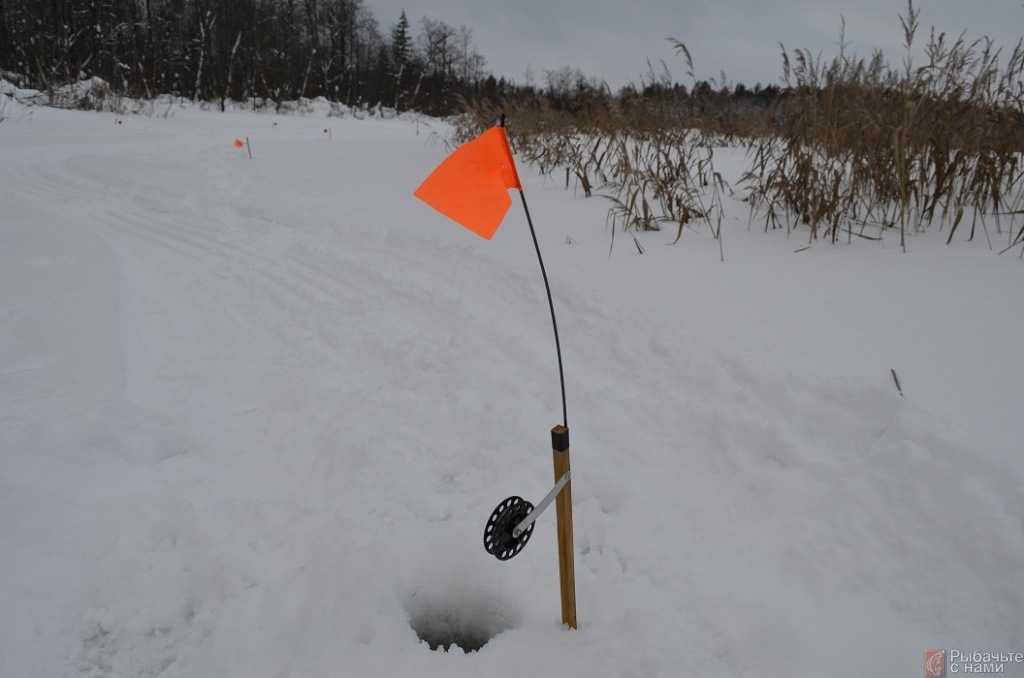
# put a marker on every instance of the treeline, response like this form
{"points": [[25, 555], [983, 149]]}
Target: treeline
{"points": [[273, 51], [568, 99], [242, 50]]}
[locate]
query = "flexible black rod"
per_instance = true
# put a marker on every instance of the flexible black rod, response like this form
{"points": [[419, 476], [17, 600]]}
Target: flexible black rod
{"points": [[551, 305]]}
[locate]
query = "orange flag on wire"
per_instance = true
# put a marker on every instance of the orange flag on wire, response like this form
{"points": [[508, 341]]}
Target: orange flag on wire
{"points": [[471, 186]]}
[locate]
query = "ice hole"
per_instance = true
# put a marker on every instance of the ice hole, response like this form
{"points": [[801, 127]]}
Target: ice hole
{"points": [[453, 616]]}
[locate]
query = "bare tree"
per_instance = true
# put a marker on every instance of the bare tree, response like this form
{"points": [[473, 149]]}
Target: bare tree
{"points": [[439, 46]]}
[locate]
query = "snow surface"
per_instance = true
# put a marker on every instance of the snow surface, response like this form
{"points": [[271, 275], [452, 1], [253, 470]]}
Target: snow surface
{"points": [[254, 415]]}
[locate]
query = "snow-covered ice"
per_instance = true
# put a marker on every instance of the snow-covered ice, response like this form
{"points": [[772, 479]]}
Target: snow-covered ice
{"points": [[255, 413]]}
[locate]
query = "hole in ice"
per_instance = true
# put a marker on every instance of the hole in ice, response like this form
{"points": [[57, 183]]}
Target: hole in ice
{"points": [[455, 616]]}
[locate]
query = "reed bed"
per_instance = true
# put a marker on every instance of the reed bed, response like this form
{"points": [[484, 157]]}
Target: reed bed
{"points": [[649, 161], [852, 149], [863, 149]]}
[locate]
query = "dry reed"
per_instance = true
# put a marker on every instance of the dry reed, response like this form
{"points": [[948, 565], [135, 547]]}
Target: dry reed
{"points": [[852, 148]]}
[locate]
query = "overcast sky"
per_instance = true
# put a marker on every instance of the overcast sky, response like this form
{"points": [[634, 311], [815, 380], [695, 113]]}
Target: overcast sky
{"points": [[613, 39]]}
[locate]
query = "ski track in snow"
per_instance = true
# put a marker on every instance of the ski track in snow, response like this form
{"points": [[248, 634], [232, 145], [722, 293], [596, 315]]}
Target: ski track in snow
{"points": [[255, 414]]}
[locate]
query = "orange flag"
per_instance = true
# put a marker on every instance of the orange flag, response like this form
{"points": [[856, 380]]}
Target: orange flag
{"points": [[471, 186], [239, 143]]}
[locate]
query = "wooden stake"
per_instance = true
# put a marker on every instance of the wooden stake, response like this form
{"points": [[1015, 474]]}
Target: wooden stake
{"points": [[563, 511]]}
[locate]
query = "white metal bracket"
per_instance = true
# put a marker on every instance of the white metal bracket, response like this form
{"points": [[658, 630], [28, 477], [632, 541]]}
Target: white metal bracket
{"points": [[544, 503]]}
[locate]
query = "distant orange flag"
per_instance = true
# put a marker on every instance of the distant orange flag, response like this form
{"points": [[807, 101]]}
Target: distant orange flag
{"points": [[239, 143], [471, 186]]}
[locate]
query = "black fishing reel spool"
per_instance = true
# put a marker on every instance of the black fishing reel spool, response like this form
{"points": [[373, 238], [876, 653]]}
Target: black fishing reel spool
{"points": [[499, 538]]}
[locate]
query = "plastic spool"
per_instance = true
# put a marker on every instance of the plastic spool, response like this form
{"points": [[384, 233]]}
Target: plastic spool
{"points": [[498, 538]]}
